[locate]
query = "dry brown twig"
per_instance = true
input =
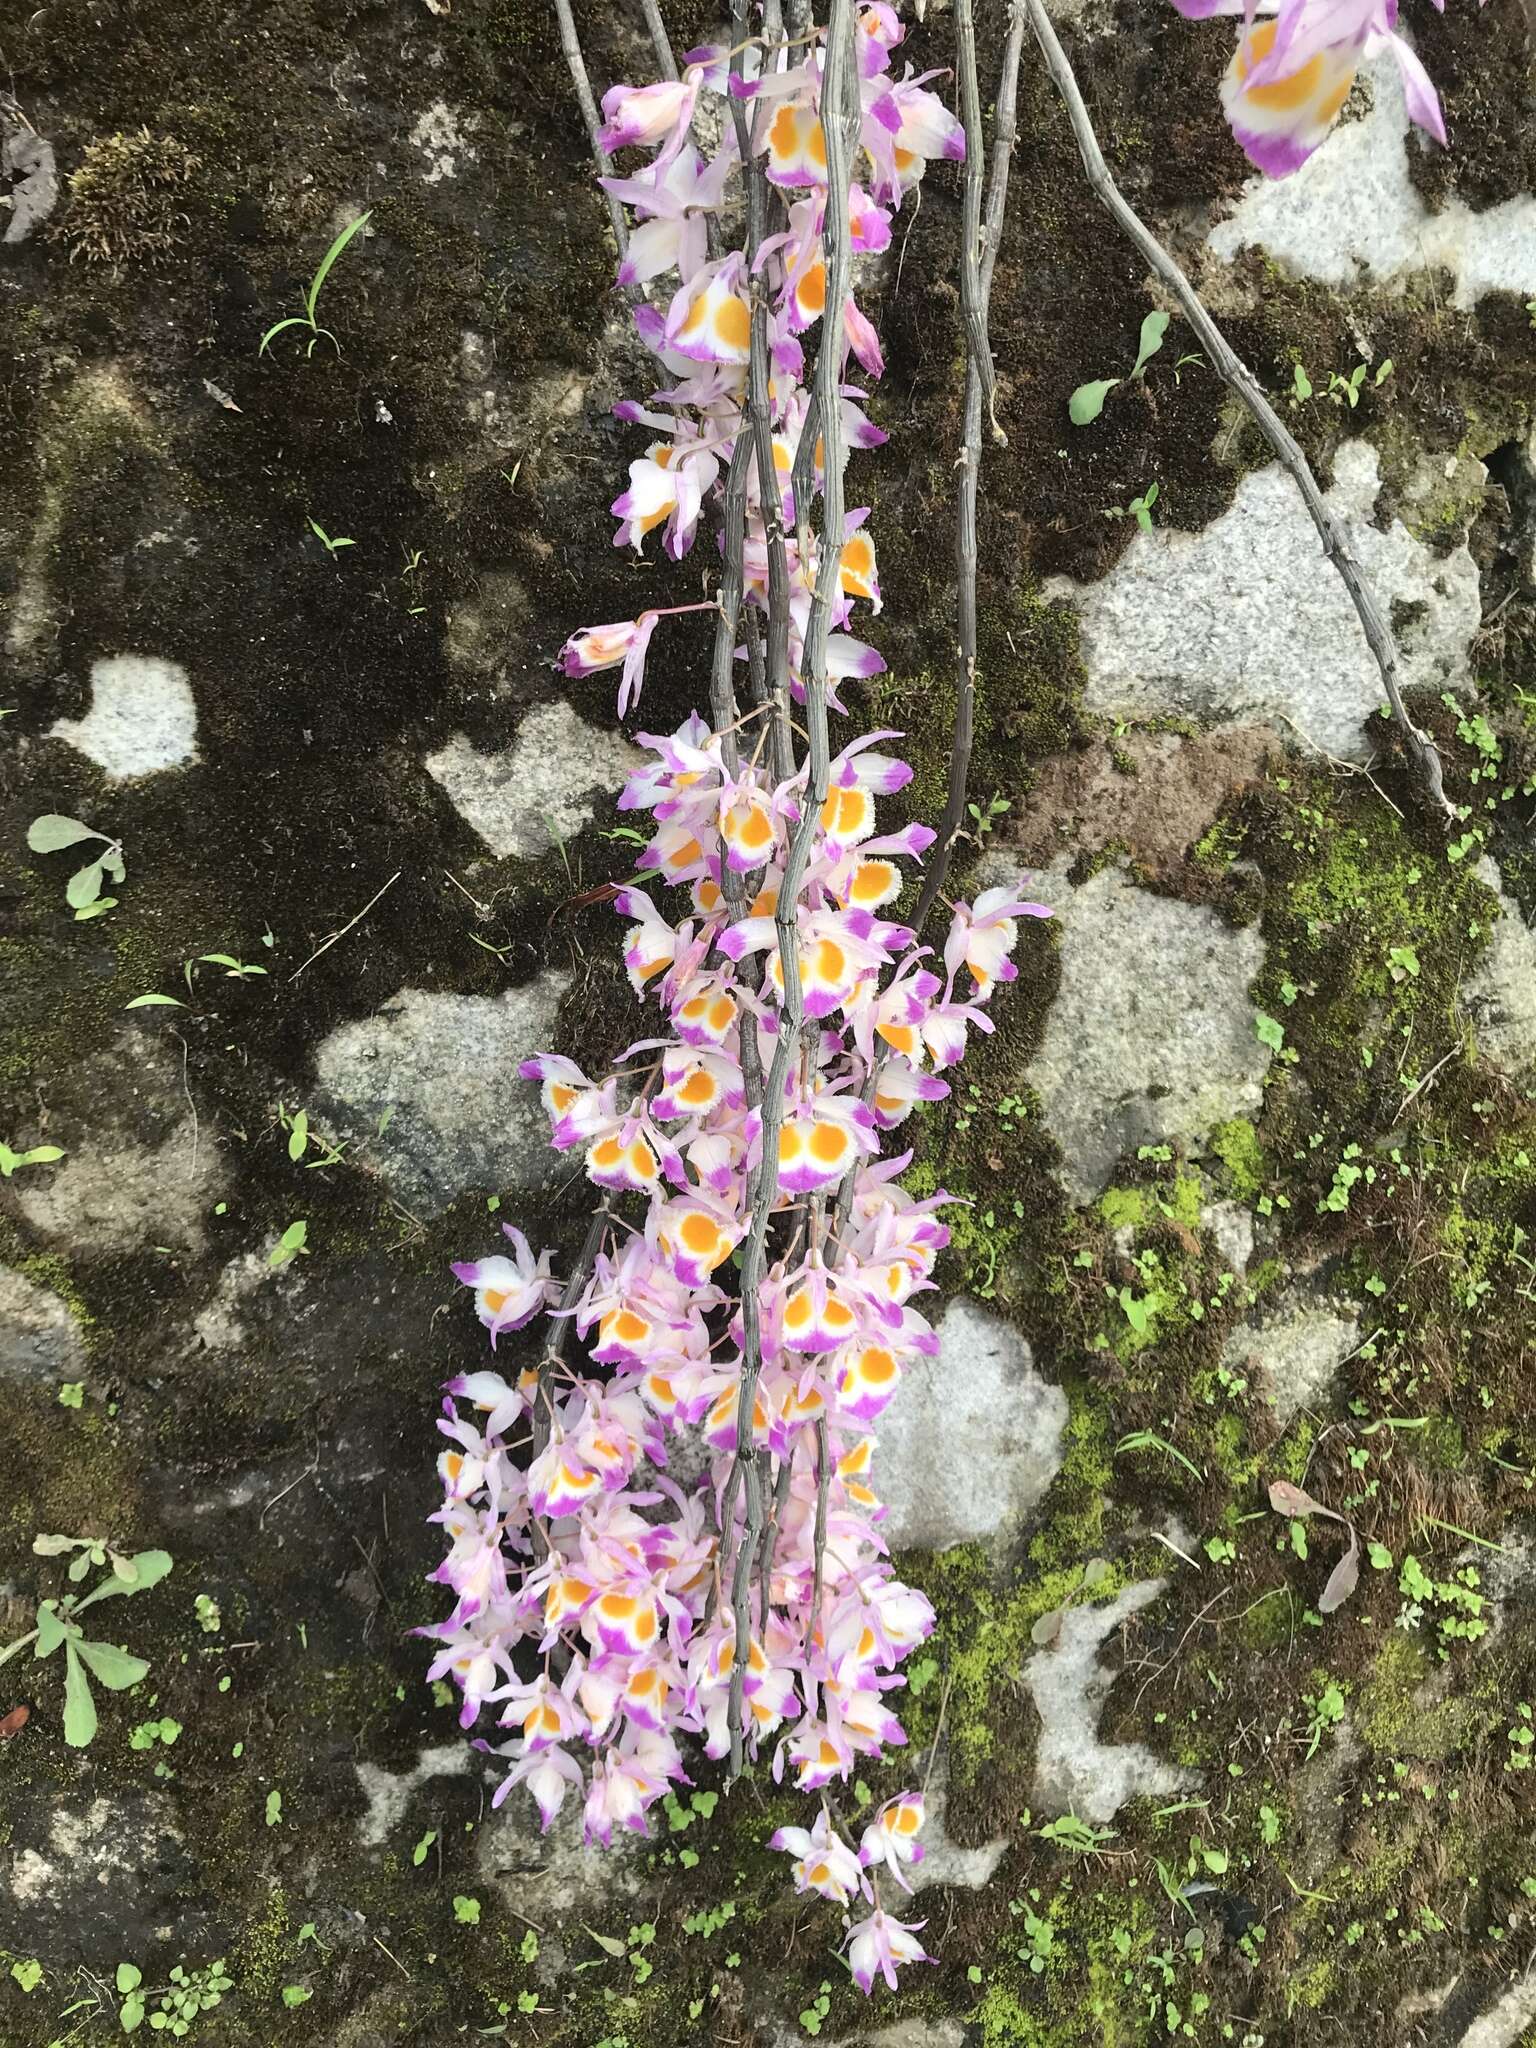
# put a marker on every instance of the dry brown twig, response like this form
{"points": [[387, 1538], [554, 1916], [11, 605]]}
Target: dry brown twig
{"points": [[981, 235], [1239, 379], [576, 64]]}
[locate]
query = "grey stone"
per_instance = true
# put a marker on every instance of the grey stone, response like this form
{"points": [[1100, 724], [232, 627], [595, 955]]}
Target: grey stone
{"points": [[446, 1067], [142, 1173], [39, 1339], [555, 1877], [143, 717], [27, 158], [972, 1440], [1500, 992], [1352, 215], [1074, 1771], [1152, 1034], [944, 1861], [543, 788], [1504, 2023], [1246, 620], [915, 2034], [1231, 1229], [908, 2033], [1300, 1345], [389, 1792], [217, 1324], [109, 1877]]}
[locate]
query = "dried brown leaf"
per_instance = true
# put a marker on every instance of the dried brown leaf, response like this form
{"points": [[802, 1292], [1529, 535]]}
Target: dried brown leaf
{"points": [[1343, 1579]]}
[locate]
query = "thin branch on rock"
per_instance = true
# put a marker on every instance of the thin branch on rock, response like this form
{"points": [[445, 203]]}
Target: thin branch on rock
{"points": [[570, 42], [978, 260], [1238, 378], [661, 42]]}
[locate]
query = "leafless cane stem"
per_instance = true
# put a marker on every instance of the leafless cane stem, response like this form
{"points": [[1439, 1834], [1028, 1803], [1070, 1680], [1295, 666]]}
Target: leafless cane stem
{"points": [[840, 124], [554, 1350], [1236, 375], [661, 42], [978, 259], [570, 42], [759, 420]]}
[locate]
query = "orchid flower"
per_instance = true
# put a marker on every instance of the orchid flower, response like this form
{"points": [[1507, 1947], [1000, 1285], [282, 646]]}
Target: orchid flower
{"points": [[570, 1546]]}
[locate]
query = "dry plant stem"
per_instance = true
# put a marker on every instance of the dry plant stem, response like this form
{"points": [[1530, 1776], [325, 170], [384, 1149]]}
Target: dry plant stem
{"points": [[661, 42], [760, 422], [1236, 375], [554, 1351], [570, 42], [978, 260], [840, 116], [972, 303]]}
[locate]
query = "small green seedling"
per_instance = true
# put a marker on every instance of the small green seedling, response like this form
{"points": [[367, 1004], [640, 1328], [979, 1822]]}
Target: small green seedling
{"points": [[312, 295], [304, 1137], [1087, 401], [289, 1245], [327, 542], [58, 1626], [40, 1155], [984, 821], [1139, 509], [51, 833]]}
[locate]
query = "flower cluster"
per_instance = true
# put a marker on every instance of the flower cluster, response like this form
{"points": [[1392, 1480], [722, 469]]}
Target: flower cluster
{"points": [[599, 1534], [1290, 76]]}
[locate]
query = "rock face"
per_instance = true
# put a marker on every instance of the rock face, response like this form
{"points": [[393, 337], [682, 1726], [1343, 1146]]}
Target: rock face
{"points": [[1152, 1034], [1209, 624], [1075, 1772], [1298, 1346], [1500, 992], [287, 623], [543, 789], [1353, 216], [973, 1438], [138, 1170], [39, 1339], [433, 1094]]}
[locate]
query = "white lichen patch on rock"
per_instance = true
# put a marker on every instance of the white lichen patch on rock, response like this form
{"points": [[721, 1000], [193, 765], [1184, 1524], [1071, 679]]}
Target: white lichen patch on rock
{"points": [[442, 135], [543, 789], [1500, 992], [1352, 215], [1151, 1036], [142, 718], [1247, 621], [1074, 1771], [439, 1073], [972, 1440], [1298, 1345], [217, 1324]]}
